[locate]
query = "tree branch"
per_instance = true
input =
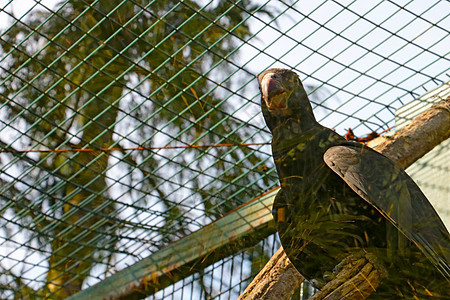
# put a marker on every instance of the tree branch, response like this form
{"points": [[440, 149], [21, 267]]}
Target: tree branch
{"points": [[357, 278], [419, 137]]}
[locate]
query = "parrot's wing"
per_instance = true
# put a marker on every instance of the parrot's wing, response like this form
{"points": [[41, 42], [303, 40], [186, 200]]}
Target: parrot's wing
{"points": [[388, 188]]}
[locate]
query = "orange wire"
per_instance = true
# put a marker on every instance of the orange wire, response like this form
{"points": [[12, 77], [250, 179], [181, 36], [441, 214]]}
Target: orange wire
{"points": [[129, 149], [136, 148]]}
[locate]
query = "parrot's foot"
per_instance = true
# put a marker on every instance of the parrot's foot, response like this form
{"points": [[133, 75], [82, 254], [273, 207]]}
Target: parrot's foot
{"points": [[355, 277]]}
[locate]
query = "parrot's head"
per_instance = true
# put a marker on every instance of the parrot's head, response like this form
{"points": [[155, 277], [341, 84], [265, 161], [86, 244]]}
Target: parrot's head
{"points": [[283, 97]]}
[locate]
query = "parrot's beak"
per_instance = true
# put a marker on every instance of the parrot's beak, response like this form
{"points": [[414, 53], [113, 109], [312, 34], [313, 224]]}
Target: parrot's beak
{"points": [[273, 93]]}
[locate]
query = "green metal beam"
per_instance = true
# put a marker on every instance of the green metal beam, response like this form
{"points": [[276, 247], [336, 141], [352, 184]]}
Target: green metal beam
{"points": [[239, 229]]}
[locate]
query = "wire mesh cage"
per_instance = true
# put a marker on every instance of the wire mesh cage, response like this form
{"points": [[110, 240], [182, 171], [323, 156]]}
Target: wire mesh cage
{"points": [[128, 125]]}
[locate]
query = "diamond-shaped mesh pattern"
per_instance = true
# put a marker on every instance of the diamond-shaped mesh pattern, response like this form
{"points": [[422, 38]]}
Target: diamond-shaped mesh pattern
{"points": [[94, 94]]}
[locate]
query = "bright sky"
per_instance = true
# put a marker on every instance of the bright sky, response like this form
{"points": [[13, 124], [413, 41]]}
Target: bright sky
{"points": [[365, 53]]}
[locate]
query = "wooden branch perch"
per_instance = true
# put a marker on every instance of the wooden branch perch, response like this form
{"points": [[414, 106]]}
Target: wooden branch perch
{"points": [[357, 279], [241, 228], [419, 137]]}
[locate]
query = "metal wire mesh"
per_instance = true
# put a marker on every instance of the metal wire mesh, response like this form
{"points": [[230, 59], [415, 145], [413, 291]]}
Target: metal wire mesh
{"points": [[225, 279], [113, 84]]}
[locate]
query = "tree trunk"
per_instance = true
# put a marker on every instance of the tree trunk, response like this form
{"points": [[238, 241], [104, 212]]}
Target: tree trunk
{"points": [[358, 278], [76, 235]]}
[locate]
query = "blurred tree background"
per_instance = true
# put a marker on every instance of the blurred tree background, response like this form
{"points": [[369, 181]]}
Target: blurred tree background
{"points": [[142, 78], [102, 74]]}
